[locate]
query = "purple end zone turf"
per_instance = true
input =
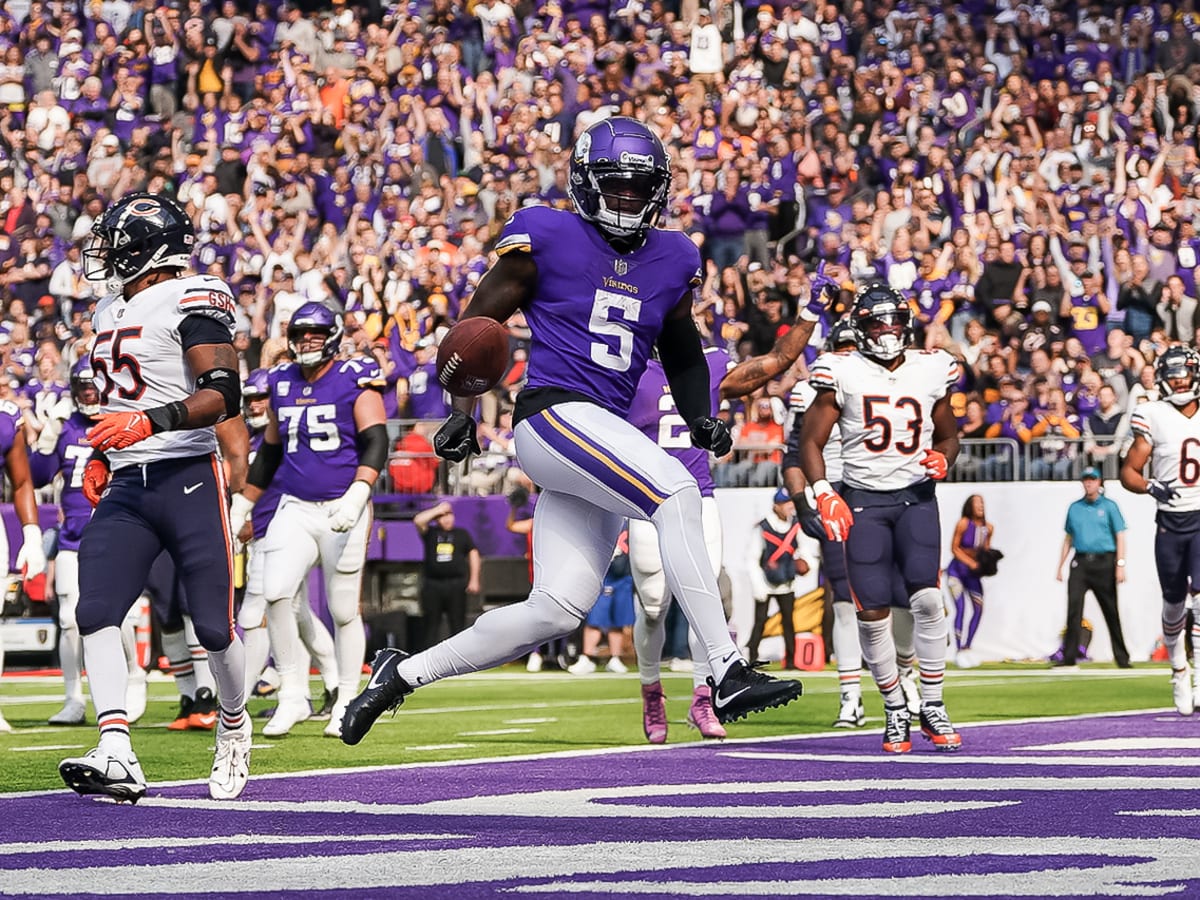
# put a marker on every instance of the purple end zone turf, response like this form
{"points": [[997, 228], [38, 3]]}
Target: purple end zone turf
{"points": [[1094, 807]]}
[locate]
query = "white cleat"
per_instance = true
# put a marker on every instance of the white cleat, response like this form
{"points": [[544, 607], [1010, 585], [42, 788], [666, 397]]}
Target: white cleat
{"points": [[287, 716], [965, 659], [231, 762], [912, 694], [135, 695], [616, 667], [585, 665], [333, 727], [74, 712], [114, 775], [5, 728], [534, 663], [1181, 687], [851, 713]]}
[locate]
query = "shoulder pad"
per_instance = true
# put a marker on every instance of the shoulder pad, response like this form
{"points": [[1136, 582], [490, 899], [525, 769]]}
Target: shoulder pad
{"points": [[364, 370], [207, 296]]}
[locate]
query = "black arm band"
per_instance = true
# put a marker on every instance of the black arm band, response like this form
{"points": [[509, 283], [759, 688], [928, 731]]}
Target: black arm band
{"points": [[683, 361], [101, 457], [372, 443], [228, 384], [167, 418], [266, 461]]}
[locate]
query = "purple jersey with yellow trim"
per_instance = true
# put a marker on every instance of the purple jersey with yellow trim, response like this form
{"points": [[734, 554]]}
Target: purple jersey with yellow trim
{"points": [[596, 313], [655, 415], [316, 425], [70, 457], [264, 509]]}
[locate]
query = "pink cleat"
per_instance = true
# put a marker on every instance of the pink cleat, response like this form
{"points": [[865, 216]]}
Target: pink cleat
{"points": [[654, 713], [701, 715]]}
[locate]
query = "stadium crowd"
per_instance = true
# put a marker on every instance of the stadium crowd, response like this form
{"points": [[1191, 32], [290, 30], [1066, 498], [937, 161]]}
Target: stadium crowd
{"points": [[1028, 174]]}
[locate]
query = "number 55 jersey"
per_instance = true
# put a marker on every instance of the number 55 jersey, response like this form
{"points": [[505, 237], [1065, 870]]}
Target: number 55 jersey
{"points": [[139, 359], [887, 416]]}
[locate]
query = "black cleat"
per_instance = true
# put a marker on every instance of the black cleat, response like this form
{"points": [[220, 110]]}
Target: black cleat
{"points": [[386, 690], [328, 701], [745, 690], [936, 727]]}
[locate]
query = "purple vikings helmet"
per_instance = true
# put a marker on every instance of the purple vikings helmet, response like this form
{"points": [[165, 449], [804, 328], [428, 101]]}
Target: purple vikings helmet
{"points": [[256, 387], [84, 392], [882, 319], [619, 177], [138, 233], [314, 316], [1176, 364]]}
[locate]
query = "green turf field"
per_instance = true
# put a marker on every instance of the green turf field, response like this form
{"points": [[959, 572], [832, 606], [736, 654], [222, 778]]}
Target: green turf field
{"points": [[510, 712]]}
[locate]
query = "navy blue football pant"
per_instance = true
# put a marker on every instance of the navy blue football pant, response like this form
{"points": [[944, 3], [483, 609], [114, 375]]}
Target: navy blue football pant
{"points": [[177, 505], [1177, 558], [890, 539]]}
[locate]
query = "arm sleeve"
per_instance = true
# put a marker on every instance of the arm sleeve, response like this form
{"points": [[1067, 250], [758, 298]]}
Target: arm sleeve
{"points": [[686, 369], [196, 329]]}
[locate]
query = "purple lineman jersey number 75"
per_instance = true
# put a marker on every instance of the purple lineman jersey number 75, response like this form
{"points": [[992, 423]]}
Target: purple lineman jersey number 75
{"points": [[655, 415]]}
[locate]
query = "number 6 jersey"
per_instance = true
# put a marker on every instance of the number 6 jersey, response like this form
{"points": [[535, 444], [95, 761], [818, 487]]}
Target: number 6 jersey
{"points": [[139, 360], [316, 425], [887, 417], [1175, 443]]}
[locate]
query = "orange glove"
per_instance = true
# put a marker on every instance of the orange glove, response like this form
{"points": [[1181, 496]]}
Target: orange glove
{"points": [[95, 480], [935, 464], [119, 430], [835, 515]]}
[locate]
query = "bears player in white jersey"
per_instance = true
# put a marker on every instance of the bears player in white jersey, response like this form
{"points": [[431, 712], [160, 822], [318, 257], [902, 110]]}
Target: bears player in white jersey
{"points": [[1167, 436], [851, 713], [899, 437], [167, 373]]}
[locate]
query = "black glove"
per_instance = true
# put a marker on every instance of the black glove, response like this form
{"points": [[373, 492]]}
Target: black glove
{"points": [[810, 519], [712, 435], [1162, 490], [456, 440]]}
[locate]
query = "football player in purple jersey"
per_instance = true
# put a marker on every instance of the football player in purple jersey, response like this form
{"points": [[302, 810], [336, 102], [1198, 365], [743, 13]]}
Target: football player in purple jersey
{"points": [[31, 559], [324, 446], [252, 617], [62, 446], [600, 288]]}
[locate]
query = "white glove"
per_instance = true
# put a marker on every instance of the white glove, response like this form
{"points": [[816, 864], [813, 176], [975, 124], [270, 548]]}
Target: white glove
{"points": [[47, 438], [32, 558], [346, 509], [239, 510]]}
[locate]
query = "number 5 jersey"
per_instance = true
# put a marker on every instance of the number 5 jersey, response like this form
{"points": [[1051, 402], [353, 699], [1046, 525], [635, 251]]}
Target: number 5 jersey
{"points": [[887, 417], [139, 359]]}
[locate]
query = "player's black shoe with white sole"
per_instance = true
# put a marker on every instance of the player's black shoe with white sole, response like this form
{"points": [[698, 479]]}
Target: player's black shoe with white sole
{"points": [[386, 690], [746, 690]]}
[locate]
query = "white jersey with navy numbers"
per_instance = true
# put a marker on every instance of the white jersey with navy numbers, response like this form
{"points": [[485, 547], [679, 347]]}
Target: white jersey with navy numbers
{"points": [[139, 360], [1175, 444], [800, 401], [886, 416]]}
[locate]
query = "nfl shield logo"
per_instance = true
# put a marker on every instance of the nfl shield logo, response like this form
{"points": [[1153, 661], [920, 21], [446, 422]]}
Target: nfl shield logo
{"points": [[620, 266]]}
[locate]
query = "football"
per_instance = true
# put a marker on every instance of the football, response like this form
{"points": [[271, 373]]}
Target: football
{"points": [[473, 356]]}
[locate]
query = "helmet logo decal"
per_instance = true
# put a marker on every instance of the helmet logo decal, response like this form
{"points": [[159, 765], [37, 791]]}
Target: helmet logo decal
{"points": [[583, 146], [637, 159], [145, 206]]}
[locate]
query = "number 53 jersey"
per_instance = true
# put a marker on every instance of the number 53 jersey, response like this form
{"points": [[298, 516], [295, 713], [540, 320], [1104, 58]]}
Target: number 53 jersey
{"points": [[316, 425], [887, 417], [1175, 443], [139, 360]]}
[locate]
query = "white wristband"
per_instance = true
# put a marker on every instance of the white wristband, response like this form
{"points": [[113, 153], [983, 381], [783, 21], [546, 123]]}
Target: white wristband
{"points": [[32, 534], [808, 316], [822, 487]]}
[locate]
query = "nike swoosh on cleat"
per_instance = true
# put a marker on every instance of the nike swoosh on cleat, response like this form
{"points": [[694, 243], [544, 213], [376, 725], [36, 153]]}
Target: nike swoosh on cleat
{"points": [[188, 490], [721, 702], [375, 682]]}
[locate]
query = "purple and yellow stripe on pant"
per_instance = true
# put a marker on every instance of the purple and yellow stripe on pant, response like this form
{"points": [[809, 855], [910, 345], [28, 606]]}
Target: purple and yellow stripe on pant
{"points": [[597, 461]]}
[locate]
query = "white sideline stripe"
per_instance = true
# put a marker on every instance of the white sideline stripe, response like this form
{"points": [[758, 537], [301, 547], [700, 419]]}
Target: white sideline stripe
{"points": [[422, 747], [1178, 813], [647, 748], [496, 731], [546, 721], [946, 759], [45, 747], [241, 839]]}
